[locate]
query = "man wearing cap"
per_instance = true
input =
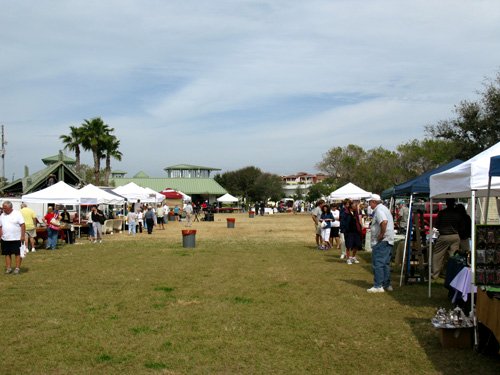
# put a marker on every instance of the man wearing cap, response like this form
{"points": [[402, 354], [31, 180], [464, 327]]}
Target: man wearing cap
{"points": [[382, 241]]}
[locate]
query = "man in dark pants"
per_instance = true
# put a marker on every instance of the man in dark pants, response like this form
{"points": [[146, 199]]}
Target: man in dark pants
{"points": [[150, 219], [450, 223]]}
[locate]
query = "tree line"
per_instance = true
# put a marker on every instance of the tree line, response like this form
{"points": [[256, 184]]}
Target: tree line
{"points": [[474, 128]]}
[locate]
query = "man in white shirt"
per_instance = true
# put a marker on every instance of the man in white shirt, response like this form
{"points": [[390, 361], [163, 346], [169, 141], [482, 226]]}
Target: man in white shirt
{"points": [[13, 233], [382, 241], [189, 211]]}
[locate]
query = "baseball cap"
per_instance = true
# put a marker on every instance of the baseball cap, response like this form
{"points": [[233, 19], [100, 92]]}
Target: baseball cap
{"points": [[374, 197]]}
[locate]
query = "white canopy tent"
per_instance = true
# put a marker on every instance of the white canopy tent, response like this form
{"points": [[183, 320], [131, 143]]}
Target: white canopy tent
{"points": [[157, 196], [471, 175], [227, 198], [60, 193], [134, 192], [350, 191], [469, 179], [102, 196]]}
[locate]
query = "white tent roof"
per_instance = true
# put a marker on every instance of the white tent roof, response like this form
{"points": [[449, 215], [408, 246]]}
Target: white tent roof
{"points": [[59, 193], [471, 175], [227, 198], [157, 196], [134, 192], [102, 196], [349, 191]]}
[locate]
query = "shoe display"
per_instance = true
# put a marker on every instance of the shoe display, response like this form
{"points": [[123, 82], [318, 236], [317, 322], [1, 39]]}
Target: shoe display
{"points": [[389, 289], [375, 290]]}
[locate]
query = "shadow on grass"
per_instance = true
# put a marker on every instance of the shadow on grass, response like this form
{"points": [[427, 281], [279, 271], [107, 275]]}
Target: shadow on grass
{"points": [[450, 360]]}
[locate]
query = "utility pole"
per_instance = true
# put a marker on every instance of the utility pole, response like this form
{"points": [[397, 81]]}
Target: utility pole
{"points": [[2, 153]]}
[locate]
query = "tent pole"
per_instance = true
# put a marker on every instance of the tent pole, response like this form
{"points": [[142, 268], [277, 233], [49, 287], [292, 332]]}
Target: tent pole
{"points": [[487, 202], [473, 262], [407, 238], [429, 255]]}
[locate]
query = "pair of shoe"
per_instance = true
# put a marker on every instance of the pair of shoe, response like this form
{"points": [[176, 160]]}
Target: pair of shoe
{"points": [[375, 290]]}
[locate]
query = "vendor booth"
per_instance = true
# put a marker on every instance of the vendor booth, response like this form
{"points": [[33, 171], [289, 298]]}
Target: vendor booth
{"points": [[415, 252], [471, 179], [350, 191]]}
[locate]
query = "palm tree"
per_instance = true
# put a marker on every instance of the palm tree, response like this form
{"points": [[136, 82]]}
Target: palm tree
{"points": [[110, 149], [72, 143], [94, 135]]}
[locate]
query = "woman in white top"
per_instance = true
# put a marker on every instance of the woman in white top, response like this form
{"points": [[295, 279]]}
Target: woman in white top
{"points": [[140, 219], [334, 232]]}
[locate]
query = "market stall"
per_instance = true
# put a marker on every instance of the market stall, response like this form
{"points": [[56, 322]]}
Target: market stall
{"points": [[470, 179]]}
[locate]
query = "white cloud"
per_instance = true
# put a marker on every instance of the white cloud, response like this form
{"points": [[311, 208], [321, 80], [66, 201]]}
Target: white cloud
{"points": [[271, 83]]}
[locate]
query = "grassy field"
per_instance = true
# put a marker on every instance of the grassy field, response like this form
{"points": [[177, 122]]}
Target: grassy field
{"points": [[256, 299]]}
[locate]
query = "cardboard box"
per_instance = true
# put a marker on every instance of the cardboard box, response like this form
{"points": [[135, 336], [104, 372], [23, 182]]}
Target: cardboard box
{"points": [[456, 337]]}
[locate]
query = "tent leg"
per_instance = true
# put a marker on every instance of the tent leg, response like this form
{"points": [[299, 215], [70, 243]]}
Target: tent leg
{"points": [[473, 264], [429, 255], [407, 239]]}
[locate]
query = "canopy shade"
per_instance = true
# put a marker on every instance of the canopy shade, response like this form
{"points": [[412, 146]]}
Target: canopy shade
{"points": [[495, 166], [420, 184], [134, 193], [349, 191], [59, 193], [471, 175], [171, 194], [226, 198], [157, 196], [102, 196]]}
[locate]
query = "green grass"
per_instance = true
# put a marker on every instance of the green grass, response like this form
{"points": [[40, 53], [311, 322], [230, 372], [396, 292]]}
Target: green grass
{"points": [[256, 300]]}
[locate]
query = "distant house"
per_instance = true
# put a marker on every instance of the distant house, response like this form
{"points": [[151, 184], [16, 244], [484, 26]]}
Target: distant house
{"points": [[193, 180], [300, 181], [58, 168]]}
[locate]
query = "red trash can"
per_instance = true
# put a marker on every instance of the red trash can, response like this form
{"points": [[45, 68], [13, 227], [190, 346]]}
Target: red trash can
{"points": [[189, 238], [230, 222]]}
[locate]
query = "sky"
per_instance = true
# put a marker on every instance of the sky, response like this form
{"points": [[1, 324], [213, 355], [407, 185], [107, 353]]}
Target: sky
{"points": [[232, 83]]}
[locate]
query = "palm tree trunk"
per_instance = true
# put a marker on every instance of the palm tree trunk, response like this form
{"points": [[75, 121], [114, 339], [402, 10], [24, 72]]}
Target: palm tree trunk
{"points": [[97, 167], [107, 170]]}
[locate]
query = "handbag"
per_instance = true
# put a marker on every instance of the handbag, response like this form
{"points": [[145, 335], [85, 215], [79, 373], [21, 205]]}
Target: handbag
{"points": [[55, 222], [23, 250]]}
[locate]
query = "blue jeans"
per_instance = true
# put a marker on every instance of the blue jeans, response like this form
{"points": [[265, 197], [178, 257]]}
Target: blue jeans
{"points": [[52, 235], [132, 227], [381, 263]]}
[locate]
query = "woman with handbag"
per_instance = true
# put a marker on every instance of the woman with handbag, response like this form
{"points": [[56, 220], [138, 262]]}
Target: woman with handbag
{"points": [[53, 224]]}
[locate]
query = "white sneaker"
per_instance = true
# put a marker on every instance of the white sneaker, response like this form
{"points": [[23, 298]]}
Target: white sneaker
{"points": [[375, 290], [33, 250], [349, 261], [342, 256], [355, 260], [389, 289]]}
